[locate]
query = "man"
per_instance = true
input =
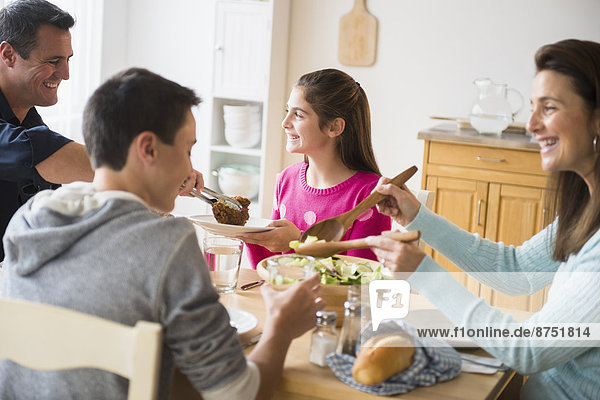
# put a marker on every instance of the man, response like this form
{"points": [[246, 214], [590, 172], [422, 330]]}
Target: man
{"points": [[35, 48], [98, 248]]}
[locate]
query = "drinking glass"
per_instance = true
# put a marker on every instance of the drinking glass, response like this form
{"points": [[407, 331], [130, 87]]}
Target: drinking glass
{"points": [[285, 270], [224, 256]]}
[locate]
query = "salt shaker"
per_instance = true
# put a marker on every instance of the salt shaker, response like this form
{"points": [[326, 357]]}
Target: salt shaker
{"points": [[350, 328], [324, 338]]}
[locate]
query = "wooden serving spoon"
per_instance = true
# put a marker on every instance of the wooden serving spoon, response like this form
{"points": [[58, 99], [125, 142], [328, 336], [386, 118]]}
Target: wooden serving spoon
{"points": [[333, 229], [327, 249]]}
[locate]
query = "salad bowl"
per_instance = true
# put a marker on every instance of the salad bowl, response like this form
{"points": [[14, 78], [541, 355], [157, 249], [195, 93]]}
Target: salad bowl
{"points": [[338, 274]]}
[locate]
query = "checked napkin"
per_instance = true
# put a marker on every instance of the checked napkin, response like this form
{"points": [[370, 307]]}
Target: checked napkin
{"points": [[431, 364]]}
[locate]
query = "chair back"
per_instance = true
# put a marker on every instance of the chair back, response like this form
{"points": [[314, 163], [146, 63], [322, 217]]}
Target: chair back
{"points": [[45, 337]]}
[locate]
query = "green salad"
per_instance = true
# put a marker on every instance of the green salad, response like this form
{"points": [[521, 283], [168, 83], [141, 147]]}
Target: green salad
{"points": [[335, 270]]}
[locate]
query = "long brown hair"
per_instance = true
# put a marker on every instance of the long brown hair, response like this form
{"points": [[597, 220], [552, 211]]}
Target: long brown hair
{"points": [[578, 213], [332, 93]]}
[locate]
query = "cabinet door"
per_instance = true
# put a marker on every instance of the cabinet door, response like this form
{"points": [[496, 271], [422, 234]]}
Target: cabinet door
{"points": [[241, 50], [463, 202], [515, 214]]}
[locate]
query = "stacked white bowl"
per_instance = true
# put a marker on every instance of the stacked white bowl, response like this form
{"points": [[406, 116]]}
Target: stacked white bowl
{"points": [[242, 125]]}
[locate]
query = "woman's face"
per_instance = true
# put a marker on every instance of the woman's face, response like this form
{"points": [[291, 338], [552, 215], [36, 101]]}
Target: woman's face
{"points": [[301, 125], [562, 125]]}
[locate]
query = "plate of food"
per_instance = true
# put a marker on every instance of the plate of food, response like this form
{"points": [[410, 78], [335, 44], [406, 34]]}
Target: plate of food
{"points": [[242, 320], [210, 224], [338, 273]]}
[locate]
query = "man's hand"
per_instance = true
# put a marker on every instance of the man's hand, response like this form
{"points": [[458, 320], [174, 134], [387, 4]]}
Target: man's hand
{"points": [[291, 312], [194, 180]]}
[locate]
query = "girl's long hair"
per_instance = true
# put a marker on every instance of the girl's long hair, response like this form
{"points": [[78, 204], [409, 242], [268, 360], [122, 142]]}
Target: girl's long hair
{"points": [[332, 94]]}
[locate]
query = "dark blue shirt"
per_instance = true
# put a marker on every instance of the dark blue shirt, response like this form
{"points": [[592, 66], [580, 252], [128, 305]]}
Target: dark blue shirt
{"points": [[23, 145]]}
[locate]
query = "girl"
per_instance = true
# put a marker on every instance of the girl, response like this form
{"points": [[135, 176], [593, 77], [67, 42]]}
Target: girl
{"points": [[327, 120]]}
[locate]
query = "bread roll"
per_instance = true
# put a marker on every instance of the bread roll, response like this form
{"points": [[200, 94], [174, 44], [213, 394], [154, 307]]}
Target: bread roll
{"points": [[381, 357]]}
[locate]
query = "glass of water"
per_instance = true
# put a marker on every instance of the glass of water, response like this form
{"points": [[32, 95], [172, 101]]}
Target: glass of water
{"points": [[224, 256]]}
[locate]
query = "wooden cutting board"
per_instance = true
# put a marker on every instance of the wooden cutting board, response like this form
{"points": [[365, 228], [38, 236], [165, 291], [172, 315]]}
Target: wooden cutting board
{"points": [[358, 36]]}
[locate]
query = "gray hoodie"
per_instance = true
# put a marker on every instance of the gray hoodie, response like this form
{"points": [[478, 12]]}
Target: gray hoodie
{"points": [[107, 254]]}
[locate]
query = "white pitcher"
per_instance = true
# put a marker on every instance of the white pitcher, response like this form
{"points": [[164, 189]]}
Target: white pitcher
{"points": [[492, 112]]}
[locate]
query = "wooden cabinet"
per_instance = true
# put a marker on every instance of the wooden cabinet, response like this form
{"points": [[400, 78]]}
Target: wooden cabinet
{"points": [[490, 186], [250, 54]]}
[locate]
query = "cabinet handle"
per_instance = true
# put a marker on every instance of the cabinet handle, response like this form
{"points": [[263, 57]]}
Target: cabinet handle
{"points": [[543, 217], [479, 210], [479, 158]]}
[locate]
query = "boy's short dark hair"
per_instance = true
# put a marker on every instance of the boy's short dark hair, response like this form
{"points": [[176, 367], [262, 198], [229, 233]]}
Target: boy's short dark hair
{"points": [[131, 102], [19, 23]]}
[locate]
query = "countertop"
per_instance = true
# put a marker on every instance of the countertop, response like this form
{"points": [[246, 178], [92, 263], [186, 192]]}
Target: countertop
{"points": [[448, 132]]}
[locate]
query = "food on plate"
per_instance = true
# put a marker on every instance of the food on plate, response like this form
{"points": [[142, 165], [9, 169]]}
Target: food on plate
{"points": [[381, 357], [335, 270], [226, 214]]}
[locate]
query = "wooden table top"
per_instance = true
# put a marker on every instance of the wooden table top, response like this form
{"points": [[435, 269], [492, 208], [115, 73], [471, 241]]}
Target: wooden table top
{"points": [[304, 380]]}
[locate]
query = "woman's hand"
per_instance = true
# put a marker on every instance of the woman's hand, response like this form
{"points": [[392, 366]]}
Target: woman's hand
{"points": [[194, 180], [276, 240], [397, 256], [400, 203]]}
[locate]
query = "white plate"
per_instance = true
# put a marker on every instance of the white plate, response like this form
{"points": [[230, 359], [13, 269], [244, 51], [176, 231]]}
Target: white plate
{"points": [[210, 225], [242, 320]]}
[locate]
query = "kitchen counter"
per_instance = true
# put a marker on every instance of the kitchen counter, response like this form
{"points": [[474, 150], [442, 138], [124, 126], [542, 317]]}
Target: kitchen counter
{"points": [[448, 132]]}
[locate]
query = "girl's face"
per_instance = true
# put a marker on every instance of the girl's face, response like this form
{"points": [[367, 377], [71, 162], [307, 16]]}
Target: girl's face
{"points": [[301, 125], [562, 125]]}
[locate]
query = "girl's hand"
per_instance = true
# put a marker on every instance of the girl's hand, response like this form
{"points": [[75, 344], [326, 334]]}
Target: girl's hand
{"points": [[276, 240], [400, 203], [397, 256], [193, 180]]}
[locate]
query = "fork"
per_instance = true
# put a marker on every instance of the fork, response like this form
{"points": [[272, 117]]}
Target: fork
{"points": [[217, 196]]}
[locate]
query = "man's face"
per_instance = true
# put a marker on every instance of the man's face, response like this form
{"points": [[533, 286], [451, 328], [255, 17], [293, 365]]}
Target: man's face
{"points": [[48, 64], [173, 166]]}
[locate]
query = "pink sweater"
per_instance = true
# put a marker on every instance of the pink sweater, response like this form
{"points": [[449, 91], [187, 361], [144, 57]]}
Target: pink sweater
{"points": [[303, 205]]}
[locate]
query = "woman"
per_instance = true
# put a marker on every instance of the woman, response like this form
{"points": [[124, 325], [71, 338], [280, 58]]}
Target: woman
{"points": [[565, 120], [328, 121]]}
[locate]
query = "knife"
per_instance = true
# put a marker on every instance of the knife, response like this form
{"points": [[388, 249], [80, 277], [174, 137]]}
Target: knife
{"points": [[252, 341]]}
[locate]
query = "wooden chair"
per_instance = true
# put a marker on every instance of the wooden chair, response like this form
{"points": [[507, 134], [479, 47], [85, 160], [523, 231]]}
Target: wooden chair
{"points": [[45, 337]]}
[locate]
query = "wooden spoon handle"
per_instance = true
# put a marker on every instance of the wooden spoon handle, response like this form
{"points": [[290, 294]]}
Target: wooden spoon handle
{"points": [[408, 236], [348, 217]]}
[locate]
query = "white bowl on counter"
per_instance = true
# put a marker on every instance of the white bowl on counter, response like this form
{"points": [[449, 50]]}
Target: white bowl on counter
{"points": [[238, 180]]}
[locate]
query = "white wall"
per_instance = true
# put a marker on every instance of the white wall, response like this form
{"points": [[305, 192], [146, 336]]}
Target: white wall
{"points": [[429, 52]]}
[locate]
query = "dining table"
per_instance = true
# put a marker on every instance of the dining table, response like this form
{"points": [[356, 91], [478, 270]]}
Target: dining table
{"points": [[303, 380]]}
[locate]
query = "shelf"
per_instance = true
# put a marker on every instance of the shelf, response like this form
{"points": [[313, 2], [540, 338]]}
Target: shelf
{"points": [[250, 52], [255, 152]]}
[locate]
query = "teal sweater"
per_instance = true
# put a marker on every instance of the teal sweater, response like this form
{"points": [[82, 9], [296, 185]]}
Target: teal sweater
{"points": [[558, 369]]}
